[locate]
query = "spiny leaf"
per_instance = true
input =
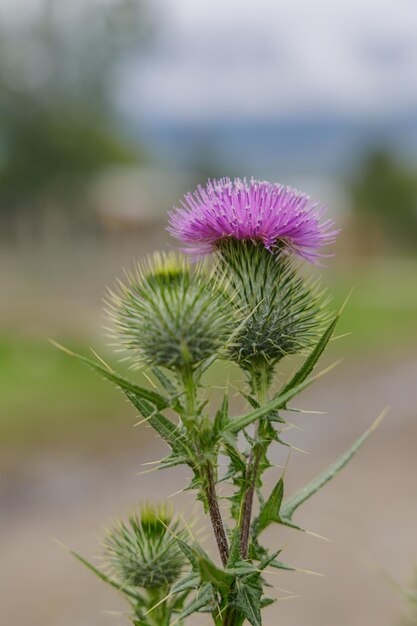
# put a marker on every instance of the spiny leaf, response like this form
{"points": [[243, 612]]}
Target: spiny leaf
{"points": [[278, 402], [163, 379], [290, 505], [222, 414], [210, 573], [188, 582], [247, 600], [309, 364], [270, 512], [168, 431], [192, 552], [204, 596], [172, 460], [152, 396]]}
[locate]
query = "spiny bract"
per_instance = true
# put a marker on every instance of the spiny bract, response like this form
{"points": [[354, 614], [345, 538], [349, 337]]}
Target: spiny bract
{"points": [[144, 552], [283, 314], [171, 314]]}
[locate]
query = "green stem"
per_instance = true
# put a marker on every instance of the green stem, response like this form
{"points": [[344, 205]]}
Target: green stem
{"points": [[232, 617], [190, 388], [261, 383]]}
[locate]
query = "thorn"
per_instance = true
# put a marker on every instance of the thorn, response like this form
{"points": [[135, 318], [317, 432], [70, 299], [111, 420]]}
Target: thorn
{"points": [[317, 536], [347, 334], [106, 365], [342, 308], [61, 347], [311, 572], [306, 411], [379, 419]]}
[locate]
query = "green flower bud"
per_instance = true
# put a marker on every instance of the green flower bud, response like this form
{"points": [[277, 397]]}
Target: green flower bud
{"points": [[282, 313], [171, 314], [144, 552]]}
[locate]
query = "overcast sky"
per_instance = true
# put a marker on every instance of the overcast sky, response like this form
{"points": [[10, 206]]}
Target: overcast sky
{"points": [[274, 58]]}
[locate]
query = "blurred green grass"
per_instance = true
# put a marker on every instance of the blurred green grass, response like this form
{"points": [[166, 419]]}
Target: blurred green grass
{"points": [[49, 398]]}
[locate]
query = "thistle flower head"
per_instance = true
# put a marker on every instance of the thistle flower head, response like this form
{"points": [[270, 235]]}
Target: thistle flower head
{"points": [[275, 215], [144, 552], [171, 314]]}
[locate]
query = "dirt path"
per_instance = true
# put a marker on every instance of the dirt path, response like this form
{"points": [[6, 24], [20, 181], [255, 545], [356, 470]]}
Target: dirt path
{"points": [[370, 512]]}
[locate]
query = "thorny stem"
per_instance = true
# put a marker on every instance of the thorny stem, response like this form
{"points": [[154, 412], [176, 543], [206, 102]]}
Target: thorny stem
{"points": [[210, 487], [252, 468]]}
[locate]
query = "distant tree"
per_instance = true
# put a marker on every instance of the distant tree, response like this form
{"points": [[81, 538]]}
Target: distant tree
{"points": [[58, 124], [385, 193]]}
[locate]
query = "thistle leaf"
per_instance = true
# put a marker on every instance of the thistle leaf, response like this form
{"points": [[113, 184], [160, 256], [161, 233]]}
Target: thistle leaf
{"points": [[247, 599], [309, 364], [163, 379], [166, 429], [221, 418], [270, 512], [188, 582], [290, 505], [210, 573], [279, 402], [204, 597]]}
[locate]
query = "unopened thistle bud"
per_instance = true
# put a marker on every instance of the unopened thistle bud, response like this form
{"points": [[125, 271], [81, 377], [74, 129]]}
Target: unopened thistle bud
{"points": [[171, 314], [144, 551], [283, 313]]}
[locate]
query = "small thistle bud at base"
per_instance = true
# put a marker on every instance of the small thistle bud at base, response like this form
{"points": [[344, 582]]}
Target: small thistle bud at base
{"points": [[144, 552], [171, 314]]}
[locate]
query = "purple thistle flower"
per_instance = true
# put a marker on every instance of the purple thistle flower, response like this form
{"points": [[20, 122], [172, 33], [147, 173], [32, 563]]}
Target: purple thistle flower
{"points": [[259, 211]]}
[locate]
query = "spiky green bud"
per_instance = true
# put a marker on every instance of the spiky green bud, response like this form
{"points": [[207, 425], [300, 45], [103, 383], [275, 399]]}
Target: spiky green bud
{"points": [[171, 314], [283, 314], [144, 551]]}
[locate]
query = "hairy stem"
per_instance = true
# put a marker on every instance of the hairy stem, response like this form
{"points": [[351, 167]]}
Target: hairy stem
{"points": [[216, 517]]}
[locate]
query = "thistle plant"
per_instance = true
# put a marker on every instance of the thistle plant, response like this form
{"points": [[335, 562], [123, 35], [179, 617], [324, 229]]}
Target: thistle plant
{"points": [[248, 303]]}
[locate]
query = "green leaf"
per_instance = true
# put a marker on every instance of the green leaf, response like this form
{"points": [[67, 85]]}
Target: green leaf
{"points": [[152, 396], [210, 573], [128, 591], [166, 429], [247, 600], [192, 553], [222, 415], [163, 379], [204, 596], [279, 402], [242, 568], [188, 582], [290, 505], [270, 512], [309, 364], [172, 460]]}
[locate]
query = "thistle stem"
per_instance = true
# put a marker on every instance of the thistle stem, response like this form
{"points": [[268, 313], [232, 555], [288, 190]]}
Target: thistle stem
{"points": [[231, 617], [210, 484], [216, 517], [261, 385]]}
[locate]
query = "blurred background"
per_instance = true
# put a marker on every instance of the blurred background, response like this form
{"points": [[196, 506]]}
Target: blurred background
{"points": [[110, 110]]}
